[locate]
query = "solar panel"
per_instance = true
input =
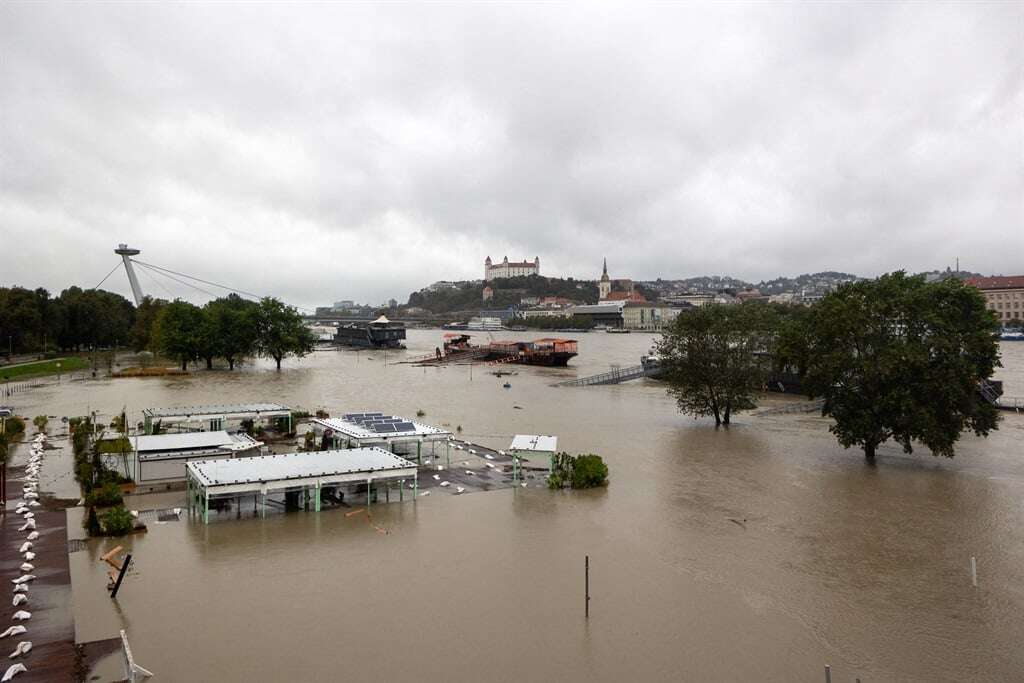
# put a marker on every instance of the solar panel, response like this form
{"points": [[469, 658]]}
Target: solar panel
{"points": [[404, 427], [383, 428]]}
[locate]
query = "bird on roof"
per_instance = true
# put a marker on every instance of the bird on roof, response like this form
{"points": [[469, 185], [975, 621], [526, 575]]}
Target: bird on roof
{"points": [[21, 588], [445, 483], [14, 631], [27, 566], [23, 579], [21, 615], [19, 598], [30, 524], [459, 489], [33, 536], [437, 477], [29, 556], [13, 671]]}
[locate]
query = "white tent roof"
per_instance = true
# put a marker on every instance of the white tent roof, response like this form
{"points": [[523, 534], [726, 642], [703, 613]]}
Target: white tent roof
{"points": [[532, 442], [383, 319]]}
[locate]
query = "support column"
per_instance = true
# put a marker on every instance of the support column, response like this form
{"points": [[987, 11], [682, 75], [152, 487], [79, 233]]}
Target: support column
{"points": [[316, 497], [263, 506], [206, 507], [448, 452], [369, 493], [419, 446], [416, 487], [401, 490]]}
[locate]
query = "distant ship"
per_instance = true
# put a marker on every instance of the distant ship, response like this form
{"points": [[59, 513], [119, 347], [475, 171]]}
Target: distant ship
{"points": [[484, 324], [380, 334]]}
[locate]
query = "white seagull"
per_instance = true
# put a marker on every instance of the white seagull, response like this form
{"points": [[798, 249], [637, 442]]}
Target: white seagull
{"points": [[437, 477], [19, 598], [14, 631], [21, 615], [458, 490], [21, 588], [27, 567], [23, 579], [29, 556], [445, 483], [33, 536], [30, 524]]}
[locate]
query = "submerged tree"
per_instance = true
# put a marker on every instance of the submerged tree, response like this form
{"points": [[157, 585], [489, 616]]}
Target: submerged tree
{"points": [[899, 358], [178, 331], [233, 321], [716, 357], [280, 331]]}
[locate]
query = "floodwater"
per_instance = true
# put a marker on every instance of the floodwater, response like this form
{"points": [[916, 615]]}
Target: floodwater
{"points": [[759, 552]]}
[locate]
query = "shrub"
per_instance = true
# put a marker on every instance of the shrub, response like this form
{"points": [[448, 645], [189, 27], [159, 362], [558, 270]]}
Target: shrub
{"points": [[118, 521], [106, 495], [92, 523], [40, 422], [589, 471], [420, 413], [309, 441], [15, 427]]}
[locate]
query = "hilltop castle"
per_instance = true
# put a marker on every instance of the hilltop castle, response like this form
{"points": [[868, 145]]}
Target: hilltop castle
{"points": [[514, 269]]}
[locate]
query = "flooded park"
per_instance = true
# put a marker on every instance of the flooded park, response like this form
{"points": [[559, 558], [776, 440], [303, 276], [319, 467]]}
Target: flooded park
{"points": [[759, 552]]}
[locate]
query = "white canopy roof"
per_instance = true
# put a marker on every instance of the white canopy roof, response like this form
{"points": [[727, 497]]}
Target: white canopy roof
{"points": [[295, 468], [532, 442]]}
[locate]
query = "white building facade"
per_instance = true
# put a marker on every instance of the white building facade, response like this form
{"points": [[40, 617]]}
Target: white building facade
{"points": [[505, 269]]}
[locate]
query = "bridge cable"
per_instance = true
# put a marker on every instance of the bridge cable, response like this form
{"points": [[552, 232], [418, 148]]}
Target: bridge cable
{"points": [[107, 275]]}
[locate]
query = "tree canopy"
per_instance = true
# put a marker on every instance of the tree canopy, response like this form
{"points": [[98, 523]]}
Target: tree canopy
{"points": [[280, 331], [179, 331], [716, 357], [899, 358]]}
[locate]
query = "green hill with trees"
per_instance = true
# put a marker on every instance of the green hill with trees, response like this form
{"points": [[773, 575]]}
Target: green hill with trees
{"points": [[469, 296]]}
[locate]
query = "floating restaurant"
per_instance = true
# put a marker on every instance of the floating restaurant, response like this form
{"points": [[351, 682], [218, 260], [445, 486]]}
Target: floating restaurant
{"points": [[214, 417], [392, 433], [315, 475]]}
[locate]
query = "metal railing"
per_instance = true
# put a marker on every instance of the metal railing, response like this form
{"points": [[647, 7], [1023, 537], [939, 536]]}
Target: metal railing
{"points": [[614, 377]]}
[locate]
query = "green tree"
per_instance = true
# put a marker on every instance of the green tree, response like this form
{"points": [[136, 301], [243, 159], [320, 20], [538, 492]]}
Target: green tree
{"points": [[141, 335], [281, 331], [716, 357], [232, 320], [178, 331], [899, 358]]}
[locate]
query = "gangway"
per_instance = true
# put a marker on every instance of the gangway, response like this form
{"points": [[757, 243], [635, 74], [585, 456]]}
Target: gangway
{"points": [[616, 376]]}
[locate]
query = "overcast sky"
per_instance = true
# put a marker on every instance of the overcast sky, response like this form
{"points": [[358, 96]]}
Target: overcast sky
{"points": [[324, 152]]}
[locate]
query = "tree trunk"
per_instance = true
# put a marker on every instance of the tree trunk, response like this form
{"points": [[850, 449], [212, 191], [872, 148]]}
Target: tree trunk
{"points": [[184, 364], [728, 410], [209, 364], [869, 451], [278, 359], [231, 363]]}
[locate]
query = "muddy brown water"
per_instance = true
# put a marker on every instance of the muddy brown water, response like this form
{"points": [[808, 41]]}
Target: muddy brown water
{"points": [[761, 552]]}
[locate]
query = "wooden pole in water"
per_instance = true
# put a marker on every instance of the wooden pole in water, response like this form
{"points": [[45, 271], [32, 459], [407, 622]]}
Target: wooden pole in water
{"points": [[974, 572], [586, 574], [828, 674]]}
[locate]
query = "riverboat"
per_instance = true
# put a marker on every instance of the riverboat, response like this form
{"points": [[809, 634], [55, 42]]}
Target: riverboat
{"points": [[379, 334], [550, 351], [484, 324]]}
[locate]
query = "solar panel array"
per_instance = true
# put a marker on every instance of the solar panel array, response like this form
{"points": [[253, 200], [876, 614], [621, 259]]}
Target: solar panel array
{"points": [[380, 423]]}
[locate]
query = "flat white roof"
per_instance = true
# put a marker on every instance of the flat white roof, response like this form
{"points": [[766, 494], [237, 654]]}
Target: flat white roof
{"points": [[283, 467], [217, 410], [190, 442], [377, 426], [533, 442]]}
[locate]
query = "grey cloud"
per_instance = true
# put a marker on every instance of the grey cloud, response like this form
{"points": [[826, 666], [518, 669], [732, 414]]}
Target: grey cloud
{"points": [[326, 151]]}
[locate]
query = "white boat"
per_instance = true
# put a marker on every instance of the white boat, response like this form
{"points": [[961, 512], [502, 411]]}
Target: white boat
{"points": [[484, 324]]}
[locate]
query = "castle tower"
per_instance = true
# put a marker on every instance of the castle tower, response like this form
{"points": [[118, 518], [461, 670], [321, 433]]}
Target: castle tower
{"points": [[604, 286], [487, 268], [536, 265]]}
